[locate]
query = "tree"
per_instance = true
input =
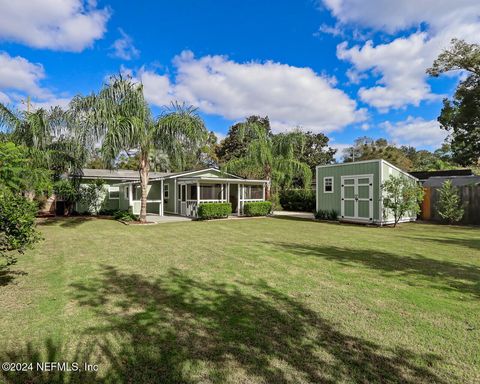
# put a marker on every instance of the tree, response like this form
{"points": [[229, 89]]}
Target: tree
{"points": [[423, 160], [366, 148], [93, 195], [400, 196], [461, 115], [67, 190], [270, 158], [450, 205], [120, 118], [238, 138], [17, 224]]}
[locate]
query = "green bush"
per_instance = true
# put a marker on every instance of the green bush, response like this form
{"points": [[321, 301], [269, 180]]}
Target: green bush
{"points": [[326, 214], [298, 200], [257, 208], [208, 211], [107, 212], [17, 224], [124, 216]]}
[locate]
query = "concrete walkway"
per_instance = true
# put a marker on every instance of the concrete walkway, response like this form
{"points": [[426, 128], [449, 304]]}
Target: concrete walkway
{"points": [[166, 219], [298, 215]]}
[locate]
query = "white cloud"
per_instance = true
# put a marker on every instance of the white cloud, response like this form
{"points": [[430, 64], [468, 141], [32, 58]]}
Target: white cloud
{"points": [[416, 132], [123, 47], [19, 74], [401, 63], [69, 25], [290, 96]]}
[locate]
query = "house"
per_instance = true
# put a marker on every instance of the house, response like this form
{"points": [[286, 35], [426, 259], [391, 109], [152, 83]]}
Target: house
{"points": [[423, 176], [468, 188], [175, 193], [353, 190]]}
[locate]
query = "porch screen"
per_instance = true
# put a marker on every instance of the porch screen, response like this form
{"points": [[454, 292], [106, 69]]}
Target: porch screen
{"points": [[253, 192], [192, 192], [211, 192]]}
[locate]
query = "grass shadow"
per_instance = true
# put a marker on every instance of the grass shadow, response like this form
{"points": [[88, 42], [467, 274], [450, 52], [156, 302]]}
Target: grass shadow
{"points": [[66, 222], [176, 329], [460, 277]]}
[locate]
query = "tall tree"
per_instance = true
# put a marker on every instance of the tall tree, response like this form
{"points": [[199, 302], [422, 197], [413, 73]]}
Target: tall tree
{"points": [[269, 157], [238, 138], [314, 150], [461, 115], [366, 148], [120, 118]]}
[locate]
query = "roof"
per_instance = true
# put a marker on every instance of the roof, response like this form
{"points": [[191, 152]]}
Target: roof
{"points": [[116, 174], [424, 175], [457, 181], [369, 161]]}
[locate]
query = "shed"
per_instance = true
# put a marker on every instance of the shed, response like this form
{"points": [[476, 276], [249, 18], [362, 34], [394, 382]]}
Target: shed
{"points": [[353, 190]]}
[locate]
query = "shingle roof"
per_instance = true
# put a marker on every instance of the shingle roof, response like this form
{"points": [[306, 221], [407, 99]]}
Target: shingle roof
{"points": [[118, 174], [457, 181]]}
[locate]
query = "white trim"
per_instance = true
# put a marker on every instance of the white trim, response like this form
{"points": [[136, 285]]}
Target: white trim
{"points": [[166, 190], [333, 183], [356, 199], [380, 194], [317, 187], [218, 180], [125, 191], [194, 172]]}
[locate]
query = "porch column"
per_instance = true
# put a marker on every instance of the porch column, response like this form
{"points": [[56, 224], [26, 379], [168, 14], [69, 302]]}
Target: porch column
{"points": [[239, 198], [263, 189], [130, 195], [161, 197], [175, 202]]}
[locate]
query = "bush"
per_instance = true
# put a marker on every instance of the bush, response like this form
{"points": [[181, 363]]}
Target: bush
{"points": [[107, 212], [326, 214], [298, 200], [207, 211], [17, 224], [257, 208], [124, 216]]}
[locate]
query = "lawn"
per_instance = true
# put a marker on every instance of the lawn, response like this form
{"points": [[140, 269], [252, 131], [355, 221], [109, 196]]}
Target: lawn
{"points": [[246, 301]]}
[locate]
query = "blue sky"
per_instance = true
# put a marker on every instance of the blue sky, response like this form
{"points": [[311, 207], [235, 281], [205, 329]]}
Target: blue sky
{"points": [[347, 68]]}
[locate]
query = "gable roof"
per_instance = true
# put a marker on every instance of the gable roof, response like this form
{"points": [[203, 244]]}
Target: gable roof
{"points": [[115, 174], [193, 173]]}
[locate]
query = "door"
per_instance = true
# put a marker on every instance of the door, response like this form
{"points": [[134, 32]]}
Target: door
{"points": [[183, 199], [357, 197]]}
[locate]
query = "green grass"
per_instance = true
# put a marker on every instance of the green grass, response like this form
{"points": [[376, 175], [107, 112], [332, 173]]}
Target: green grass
{"points": [[246, 301]]}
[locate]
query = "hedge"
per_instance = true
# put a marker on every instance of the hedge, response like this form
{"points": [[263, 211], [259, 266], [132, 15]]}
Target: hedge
{"points": [[298, 200], [257, 208], [326, 214], [208, 211]]}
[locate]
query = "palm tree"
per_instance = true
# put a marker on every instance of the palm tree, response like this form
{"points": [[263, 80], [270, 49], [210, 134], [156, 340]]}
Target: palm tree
{"points": [[270, 157], [48, 136], [119, 118]]}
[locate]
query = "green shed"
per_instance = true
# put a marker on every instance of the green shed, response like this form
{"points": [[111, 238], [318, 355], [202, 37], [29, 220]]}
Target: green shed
{"points": [[353, 190]]}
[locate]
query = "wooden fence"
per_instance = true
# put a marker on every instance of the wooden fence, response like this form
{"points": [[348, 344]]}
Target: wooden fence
{"points": [[470, 196]]}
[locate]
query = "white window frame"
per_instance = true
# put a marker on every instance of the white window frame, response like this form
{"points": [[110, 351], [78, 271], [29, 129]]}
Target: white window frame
{"points": [[113, 189], [125, 192], [166, 191], [324, 184]]}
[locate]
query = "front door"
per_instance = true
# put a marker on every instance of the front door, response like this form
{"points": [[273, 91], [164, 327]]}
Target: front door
{"points": [[183, 199], [357, 197]]}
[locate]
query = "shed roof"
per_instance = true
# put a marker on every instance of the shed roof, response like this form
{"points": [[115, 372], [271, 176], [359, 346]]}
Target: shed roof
{"points": [[424, 175], [457, 181]]}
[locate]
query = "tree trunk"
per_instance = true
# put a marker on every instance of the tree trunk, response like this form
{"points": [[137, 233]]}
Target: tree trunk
{"points": [[144, 170]]}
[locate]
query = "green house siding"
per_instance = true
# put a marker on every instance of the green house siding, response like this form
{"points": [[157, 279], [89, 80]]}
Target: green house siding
{"points": [[111, 204], [332, 200], [379, 171], [170, 202]]}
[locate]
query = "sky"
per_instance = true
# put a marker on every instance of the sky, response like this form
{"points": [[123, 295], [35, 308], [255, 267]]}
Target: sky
{"points": [[346, 68]]}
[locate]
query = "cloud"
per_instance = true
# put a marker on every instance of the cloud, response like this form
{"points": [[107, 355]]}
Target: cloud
{"points": [[416, 132], [123, 47], [400, 64], [20, 75], [290, 96], [67, 25]]}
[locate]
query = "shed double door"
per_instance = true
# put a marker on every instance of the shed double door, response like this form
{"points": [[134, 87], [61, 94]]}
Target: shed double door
{"points": [[357, 198]]}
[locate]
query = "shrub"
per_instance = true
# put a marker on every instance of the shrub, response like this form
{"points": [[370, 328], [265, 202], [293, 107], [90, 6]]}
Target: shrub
{"points": [[326, 214], [17, 224], [207, 211], [93, 196], [107, 212], [450, 205], [124, 216], [298, 200], [257, 208]]}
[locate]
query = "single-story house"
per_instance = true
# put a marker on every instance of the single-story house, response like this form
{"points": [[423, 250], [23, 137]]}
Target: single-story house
{"points": [[175, 193], [353, 190]]}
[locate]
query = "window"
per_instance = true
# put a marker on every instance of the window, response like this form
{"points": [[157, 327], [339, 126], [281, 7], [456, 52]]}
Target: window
{"points": [[113, 192], [125, 192], [328, 184], [166, 191], [253, 192], [211, 192]]}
